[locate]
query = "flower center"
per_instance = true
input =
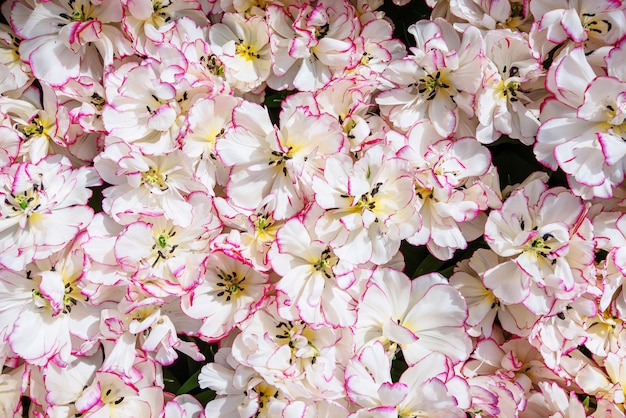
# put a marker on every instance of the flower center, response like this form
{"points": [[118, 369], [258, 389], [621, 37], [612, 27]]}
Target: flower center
{"points": [[161, 14], [516, 18], [79, 14], [265, 227], [213, 65], [40, 300], [245, 50], [230, 283], [70, 297], [321, 31], [544, 245], [109, 398], [367, 201], [266, 393], [154, 180], [22, 201], [422, 192], [365, 58], [26, 202], [298, 337], [616, 117], [509, 86], [594, 25], [326, 262], [142, 313], [97, 101], [34, 128], [162, 249], [281, 159], [412, 413], [432, 83]]}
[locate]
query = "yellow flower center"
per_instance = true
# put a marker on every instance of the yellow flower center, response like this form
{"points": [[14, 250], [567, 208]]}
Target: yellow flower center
{"points": [[161, 14], [246, 51], [108, 397], [79, 12], [266, 392], [231, 284], [265, 228], [326, 262], [616, 121], [162, 249], [34, 128], [595, 26], [153, 179], [26, 202], [213, 65], [298, 336], [432, 83]]}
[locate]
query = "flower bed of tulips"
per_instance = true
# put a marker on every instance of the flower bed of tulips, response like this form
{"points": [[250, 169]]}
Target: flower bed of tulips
{"points": [[250, 208]]}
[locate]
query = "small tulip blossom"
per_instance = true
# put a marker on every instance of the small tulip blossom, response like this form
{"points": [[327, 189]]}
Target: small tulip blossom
{"points": [[610, 230], [493, 14], [14, 73], [553, 400], [508, 103], [146, 185], [438, 81], [43, 206], [63, 40], [584, 125], [141, 324], [252, 232], [244, 49], [42, 125], [266, 160], [369, 206], [45, 304], [230, 291], [209, 118], [454, 182], [482, 305], [594, 24], [428, 317], [376, 46], [148, 103], [300, 360], [428, 388], [149, 22], [547, 239], [310, 43], [165, 258], [314, 280], [110, 395], [240, 390]]}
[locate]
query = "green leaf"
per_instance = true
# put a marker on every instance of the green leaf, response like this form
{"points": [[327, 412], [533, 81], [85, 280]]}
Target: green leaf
{"points": [[205, 397], [413, 255], [447, 272], [190, 384], [428, 265], [172, 384], [398, 366], [274, 99]]}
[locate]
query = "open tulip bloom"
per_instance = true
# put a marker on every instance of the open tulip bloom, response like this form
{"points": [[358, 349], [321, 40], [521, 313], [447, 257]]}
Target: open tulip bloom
{"points": [[328, 208]]}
